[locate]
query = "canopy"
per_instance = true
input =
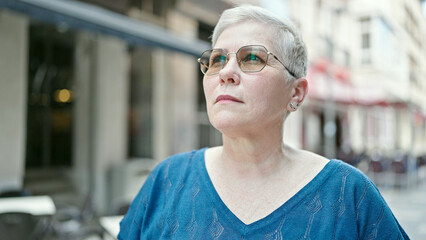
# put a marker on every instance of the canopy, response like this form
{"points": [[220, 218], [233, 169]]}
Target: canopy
{"points": [[81, 15], [328, 81]]}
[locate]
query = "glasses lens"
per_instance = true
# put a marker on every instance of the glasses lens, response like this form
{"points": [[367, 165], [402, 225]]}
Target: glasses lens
{"points": [[252, 58], [212, 61]]}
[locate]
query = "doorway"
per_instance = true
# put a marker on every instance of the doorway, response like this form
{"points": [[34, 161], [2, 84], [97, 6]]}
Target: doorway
{"points": [[50, 97]]}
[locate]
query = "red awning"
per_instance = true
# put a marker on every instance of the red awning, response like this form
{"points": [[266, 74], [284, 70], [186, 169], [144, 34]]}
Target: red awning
{"points": [[329, 81]]}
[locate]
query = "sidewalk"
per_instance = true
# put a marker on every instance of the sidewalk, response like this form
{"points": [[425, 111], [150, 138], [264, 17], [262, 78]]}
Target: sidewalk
{"points": [[409, 207]]}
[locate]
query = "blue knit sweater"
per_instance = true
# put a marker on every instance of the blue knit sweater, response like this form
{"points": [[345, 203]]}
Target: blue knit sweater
{"points": [[178, 201]]}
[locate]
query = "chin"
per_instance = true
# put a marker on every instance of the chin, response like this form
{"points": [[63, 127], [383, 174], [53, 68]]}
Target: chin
{"points": [[223, 124], [228, 125], [225, 121]]}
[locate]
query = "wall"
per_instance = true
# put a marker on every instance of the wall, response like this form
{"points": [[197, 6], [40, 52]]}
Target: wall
{"points": [[101, 113], [13, 98]]}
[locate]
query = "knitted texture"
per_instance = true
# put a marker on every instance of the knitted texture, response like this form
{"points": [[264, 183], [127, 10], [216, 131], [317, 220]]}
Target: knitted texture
{"points": [[178, 201]]}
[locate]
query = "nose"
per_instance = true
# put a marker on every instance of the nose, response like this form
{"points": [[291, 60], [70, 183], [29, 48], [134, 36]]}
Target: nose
{"points": [[230, 73]]}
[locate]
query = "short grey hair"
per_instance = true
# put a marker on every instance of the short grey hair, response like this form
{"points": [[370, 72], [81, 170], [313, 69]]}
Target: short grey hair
{"points": [[286, 39]]}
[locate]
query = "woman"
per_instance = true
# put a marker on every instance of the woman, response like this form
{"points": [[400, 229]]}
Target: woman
{"points": [[254, 186]]}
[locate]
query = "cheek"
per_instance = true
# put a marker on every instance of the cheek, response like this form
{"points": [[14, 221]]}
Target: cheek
{"points": [[208, 88], [270, 94]]}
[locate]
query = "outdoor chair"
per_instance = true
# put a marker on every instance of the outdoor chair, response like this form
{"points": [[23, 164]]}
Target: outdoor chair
{"points": [[22, 226]]}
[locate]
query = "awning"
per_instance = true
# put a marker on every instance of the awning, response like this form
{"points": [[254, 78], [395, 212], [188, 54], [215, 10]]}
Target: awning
{"points": [[329, 82], [81, 15]]}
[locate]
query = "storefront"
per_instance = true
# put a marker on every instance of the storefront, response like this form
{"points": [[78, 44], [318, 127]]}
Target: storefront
{"points": [[88, 88]]}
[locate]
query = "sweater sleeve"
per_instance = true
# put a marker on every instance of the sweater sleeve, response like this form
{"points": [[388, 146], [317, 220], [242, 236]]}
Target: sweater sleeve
{"points": [[149, 202], [375, 219], [130, 226]]}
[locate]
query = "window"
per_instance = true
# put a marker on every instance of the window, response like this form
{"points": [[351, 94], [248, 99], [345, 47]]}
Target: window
{"points": [[385, 47], [113, 5], [329, 46], [207, 134], [155, 7], [141, 104], [365, 44], [50, 102], [413, 72], [411, 26], [347, 58], [365, 30], [365, 24]]}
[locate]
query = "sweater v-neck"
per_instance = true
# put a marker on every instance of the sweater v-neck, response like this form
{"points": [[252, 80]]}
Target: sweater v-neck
{"points": [[278, 213]]}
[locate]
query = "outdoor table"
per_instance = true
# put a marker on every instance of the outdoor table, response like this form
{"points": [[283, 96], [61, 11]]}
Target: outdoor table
{"points": [[35, 205], [111, 224]]}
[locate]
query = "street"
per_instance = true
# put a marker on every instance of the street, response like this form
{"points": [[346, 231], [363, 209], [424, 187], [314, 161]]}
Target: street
{"points": [[409, 207]]}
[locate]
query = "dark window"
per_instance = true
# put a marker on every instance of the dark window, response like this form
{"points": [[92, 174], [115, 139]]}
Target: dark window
{"points": [[119, 6], [365, 41], [50, 97], [207, 134], [204, 33], [141, 104], [156, 7], [329, 46]]}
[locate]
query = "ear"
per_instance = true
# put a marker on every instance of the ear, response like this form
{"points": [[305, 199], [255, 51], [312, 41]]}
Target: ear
{"points": [[298, 94]]}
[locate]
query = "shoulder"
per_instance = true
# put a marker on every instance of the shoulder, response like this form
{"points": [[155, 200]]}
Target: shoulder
{"points": [[358, 190], [178, 167], [339, 175], [309, 162], [357, 199], [353, 180], [355, 177], [355, 191], [374, 217], [179, 161], [338, 171], [157, 190]]}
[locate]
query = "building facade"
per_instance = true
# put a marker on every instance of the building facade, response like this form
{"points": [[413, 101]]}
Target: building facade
{"points": [[367, 62], [100, 91]]}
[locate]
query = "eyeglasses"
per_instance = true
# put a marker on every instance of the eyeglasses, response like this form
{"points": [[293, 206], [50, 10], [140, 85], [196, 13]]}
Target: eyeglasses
{"points": [[251, 58]]}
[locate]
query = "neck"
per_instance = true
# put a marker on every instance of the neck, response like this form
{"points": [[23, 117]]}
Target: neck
{"points": [[261, 155]]}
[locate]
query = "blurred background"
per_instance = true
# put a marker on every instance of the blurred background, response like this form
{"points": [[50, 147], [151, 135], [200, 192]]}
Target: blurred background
{"points": [[94, 93]]}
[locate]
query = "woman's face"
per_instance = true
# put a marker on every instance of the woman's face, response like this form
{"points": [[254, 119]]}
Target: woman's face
{"points": [[239, 102]]}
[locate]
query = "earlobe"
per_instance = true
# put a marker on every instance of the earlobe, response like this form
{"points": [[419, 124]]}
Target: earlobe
{"points": [[300, 90], [293, 106]]}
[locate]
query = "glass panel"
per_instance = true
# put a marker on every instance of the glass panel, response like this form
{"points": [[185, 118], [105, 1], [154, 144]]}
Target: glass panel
{"points": [[50, 96], [207, 135], [141, 104], [365, 41]]}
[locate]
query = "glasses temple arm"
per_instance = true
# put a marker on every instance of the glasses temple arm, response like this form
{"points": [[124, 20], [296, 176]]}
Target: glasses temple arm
{"points": [[199, 60], [288, 70]]}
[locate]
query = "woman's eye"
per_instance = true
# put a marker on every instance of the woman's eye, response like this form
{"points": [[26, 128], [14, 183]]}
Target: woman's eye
{"points": [[252, 58], [218, 59]]}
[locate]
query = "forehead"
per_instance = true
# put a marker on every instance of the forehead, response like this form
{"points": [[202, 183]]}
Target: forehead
{"points": [[242, 34]]}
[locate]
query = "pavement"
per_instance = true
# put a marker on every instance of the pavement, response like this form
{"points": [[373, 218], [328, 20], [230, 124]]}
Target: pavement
{"points": [[409, 207]]}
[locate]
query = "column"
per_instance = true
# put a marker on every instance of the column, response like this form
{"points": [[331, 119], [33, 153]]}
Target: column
{"points": [[83, 109], [109, 123], [101, 112], [13, 98], [184, 69], [161, 101]]}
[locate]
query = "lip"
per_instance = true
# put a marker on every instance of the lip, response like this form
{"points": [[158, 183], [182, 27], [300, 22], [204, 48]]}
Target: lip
{"points": [[227, 98]]}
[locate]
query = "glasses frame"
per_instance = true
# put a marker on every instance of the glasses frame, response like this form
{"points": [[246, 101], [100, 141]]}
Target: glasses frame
{"points": [[238, 60]]}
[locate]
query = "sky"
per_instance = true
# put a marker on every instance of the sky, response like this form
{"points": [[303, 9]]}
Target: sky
{"points": [[276, 6], [424, 8], [280, 7]]}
